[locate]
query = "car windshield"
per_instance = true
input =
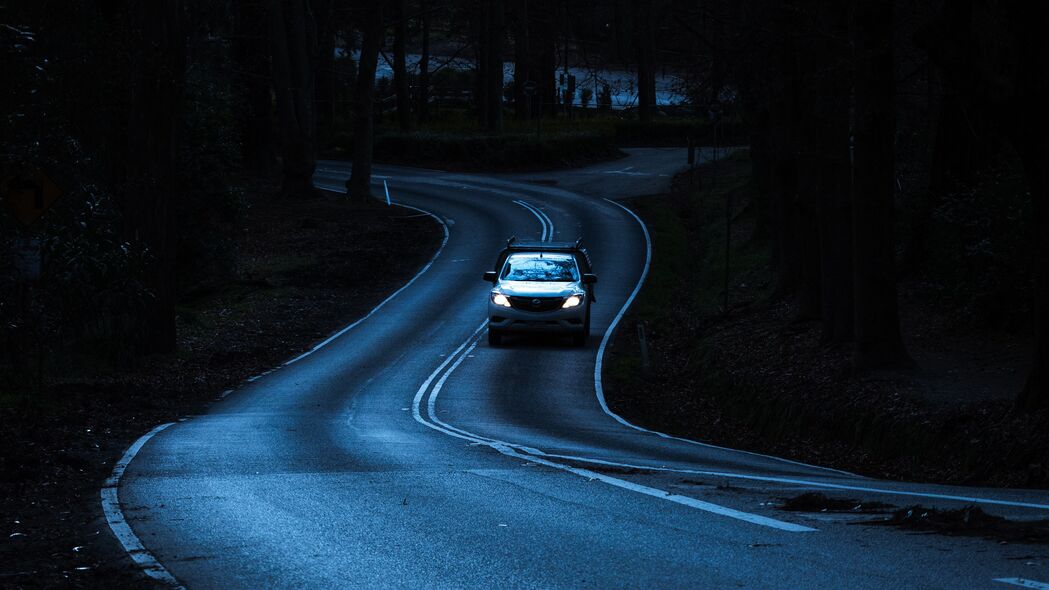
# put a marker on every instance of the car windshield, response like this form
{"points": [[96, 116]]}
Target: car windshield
{"points": [[549, 267]]}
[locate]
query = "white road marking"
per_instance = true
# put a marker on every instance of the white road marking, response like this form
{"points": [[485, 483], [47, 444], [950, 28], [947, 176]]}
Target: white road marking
{"points": [[386, 188], [771, 479], [549, 223], [510, 450], [118, 524], [604, 345], [803, 484], [533, 452], [546, 235], [1023, 583], [329, 339]]}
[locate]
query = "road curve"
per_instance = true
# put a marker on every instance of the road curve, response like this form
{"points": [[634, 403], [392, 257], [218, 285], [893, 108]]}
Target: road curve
{"points": [[406, 452]]}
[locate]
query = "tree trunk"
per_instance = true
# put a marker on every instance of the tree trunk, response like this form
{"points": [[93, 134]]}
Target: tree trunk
{"points": [[423, 92], [494, 79], [828, 80], [543, 43], [784, 178], [646, 65], [294, 46], [325, 87], [359, 183], [481, 22], [522, 102], [400, 69], [251, 54], [877, 322], [155, 119]]}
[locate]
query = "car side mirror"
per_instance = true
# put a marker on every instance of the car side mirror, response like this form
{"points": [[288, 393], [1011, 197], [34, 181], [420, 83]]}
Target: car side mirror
{"points": [[589, 279], [491, 276]]}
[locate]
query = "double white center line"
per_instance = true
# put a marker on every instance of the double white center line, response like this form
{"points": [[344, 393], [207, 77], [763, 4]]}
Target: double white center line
{"points": [[433, 384], [547, 234]]}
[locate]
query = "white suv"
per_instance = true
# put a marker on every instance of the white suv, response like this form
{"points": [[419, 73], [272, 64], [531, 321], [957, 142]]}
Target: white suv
{"points": [[541, 287]]}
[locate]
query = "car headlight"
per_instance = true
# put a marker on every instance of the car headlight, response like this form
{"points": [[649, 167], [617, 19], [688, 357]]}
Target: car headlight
{"points": [[572, 301], [500, 299]]}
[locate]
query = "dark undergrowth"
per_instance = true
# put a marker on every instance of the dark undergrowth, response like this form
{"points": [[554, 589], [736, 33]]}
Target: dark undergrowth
{"points": [[301, 269], [756, 379]]}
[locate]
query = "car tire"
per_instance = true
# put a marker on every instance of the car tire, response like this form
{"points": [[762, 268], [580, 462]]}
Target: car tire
{"points": [[495, 337], [580, 339]]}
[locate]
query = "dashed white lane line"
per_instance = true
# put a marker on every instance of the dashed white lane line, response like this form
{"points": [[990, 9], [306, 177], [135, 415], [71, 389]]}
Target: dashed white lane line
{"points": [[1023, 583], [510, 450], [118, 524]]}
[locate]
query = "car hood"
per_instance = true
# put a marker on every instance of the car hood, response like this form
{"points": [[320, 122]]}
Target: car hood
{"points": [[538, 288]]}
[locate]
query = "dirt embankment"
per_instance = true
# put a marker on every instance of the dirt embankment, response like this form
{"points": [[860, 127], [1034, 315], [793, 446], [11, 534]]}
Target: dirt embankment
{"points": [[303, 269], [757, 379]]}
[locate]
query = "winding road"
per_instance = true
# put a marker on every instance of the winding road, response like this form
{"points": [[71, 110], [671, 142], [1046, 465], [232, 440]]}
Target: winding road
{"points": [[405, 452]]}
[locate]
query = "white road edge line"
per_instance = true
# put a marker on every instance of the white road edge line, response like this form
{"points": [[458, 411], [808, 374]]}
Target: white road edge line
{"points": [[433, 258], [534, 211], [608, 336], [509, 450], [604, 406], [110, 489], [801, 482], [1023, 583], [119, 525]]}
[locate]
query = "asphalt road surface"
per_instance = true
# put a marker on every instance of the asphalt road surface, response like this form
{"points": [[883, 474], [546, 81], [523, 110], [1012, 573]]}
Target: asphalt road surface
{"points": [[406, 452]]}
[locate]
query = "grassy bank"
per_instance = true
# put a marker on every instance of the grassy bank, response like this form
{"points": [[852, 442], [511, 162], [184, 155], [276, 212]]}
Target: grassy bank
{"points": [[758, 380]]}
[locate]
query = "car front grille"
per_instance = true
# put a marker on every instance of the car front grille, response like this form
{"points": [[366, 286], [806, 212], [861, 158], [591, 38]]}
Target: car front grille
{"points": [[536, 303]]}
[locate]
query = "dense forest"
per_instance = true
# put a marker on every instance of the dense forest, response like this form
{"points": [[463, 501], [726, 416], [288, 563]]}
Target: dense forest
{"points": [[150, 116], [162, 238]]}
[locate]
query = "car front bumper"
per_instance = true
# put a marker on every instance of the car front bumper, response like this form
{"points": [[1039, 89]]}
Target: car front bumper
{"points": [[508, 319]]}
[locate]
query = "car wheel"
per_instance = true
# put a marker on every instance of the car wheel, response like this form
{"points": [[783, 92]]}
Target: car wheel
{"points": [[580, 338], [495, 337]]}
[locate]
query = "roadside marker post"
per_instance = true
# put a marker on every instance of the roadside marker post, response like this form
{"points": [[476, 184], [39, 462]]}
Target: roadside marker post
{"points": [[387, 189]]}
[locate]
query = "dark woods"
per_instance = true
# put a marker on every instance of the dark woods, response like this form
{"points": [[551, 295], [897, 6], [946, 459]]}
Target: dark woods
{"points": [[151, 115], [824, 92]]}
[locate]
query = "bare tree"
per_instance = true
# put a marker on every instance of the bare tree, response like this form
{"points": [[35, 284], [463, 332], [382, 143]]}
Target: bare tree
{"points": [[359, 183], [324, 15], [293, 38], [522, 102], [252, 56], [155, 118], [646, 60], [495, 41], [400, 69], [423, 92], [877, 322]]}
